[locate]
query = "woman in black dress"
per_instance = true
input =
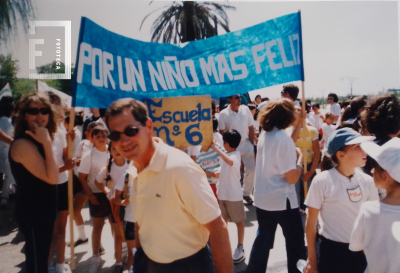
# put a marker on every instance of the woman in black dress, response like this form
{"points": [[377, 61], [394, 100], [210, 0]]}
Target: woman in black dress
{"points": [[35, 171]]}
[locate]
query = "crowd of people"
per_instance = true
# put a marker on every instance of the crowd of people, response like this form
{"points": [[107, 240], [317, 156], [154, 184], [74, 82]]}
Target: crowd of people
{"points": [[171, 205]]}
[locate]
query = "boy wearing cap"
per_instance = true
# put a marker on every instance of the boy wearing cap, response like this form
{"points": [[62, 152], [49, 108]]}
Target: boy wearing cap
{"points": [[334, 199], [377, 228]]}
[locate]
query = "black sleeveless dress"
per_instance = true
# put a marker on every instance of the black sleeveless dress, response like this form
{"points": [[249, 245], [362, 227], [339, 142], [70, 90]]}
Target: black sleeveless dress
{"points": [[36, 200]]}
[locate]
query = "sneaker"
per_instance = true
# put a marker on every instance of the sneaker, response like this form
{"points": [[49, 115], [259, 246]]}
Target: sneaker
{"points": [[80, 242], [248, 200], [118, 269], [94, 264], [102, 251], [67, 269], [238, 255]]}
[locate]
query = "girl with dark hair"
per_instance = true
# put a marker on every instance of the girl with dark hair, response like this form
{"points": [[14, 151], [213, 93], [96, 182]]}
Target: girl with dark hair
{"points": [[381, 118], [99, 205], [6, 111], [278, 168], [106, 182], [334, 199], [35, 170], [355, 109], [333, 106]]}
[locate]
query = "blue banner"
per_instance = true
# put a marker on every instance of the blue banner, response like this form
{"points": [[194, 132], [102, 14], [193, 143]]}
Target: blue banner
{"points": [[110, 66]]}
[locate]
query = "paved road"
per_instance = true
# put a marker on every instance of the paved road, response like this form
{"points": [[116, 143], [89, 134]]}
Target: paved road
{"points": [[12, 259]]}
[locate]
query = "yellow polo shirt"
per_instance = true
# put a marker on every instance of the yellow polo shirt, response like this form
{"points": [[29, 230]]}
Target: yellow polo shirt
{"points": [[171, 201]]}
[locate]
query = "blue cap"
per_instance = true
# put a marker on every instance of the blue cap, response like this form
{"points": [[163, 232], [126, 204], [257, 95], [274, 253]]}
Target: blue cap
{"points": [[345, 136]]}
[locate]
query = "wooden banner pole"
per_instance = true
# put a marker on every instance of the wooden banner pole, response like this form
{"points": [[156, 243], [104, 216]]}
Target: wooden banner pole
{"points": [[70, 189], [305, 134]]}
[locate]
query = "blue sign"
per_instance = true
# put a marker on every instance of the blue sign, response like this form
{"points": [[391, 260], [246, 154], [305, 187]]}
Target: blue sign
{"points": [[110, 66]]}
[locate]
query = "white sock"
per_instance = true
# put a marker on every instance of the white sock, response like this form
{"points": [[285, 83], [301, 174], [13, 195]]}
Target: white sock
{"points": [[81, 232], [60, 268]]}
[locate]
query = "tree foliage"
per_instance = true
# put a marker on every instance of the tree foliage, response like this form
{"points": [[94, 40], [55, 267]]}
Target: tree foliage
{"points": [[51, 68], [189, 21], [8, 70], [12, 14]]}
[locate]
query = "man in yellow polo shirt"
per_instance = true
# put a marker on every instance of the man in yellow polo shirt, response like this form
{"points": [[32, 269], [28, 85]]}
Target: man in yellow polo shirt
{"points": [[175, 208]]}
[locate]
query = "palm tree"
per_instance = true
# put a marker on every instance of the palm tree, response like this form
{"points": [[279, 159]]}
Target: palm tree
{"points": [[11, 14], [189, 21]]}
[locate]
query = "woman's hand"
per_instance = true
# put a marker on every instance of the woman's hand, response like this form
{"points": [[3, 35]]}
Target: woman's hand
{"points": [[93, 199], [311, 267], [216, 173], [69, 164], [72, 134], [40, 134], [307, 176]]}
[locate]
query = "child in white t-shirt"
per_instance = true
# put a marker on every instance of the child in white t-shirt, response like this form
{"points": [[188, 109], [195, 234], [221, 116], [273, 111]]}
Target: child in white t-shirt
{"points": [[327, 128], [106, 181], [377, 228], [229, 190], [334, 199], [99, 205]]}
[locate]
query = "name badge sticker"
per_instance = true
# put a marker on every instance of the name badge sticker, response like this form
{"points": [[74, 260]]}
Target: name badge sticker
{"points": [[355, 195]]}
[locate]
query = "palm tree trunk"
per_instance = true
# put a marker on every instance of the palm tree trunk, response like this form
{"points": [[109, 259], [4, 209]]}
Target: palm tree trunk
{"points": [[189, 34]]}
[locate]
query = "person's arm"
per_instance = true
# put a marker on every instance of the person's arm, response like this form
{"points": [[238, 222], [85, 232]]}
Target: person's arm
{"points": [[83, 179], [5, 138], [222, 131], [25, 152], [251, 133], [311, 234], [223, 155], [220, 245], [101, 187], [315, 160], [68, 163], [299, 125], [292, 176]]}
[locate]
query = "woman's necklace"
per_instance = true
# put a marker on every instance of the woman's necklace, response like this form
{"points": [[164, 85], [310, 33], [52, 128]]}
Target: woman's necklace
{"points": [[348, 177]]}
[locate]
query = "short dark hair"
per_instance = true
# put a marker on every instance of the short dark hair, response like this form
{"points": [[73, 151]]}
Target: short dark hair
{"points": [[382, 115], [258, 96], [316, 105], [265, 99], [215, 123], [213, 107], [102, 112], [334, 96], [138, 109], [278, 113], [6, 106], [232, 137], [292, 89]]}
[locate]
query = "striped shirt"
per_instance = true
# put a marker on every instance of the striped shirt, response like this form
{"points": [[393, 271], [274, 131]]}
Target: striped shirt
{"points": [[209, 161]]}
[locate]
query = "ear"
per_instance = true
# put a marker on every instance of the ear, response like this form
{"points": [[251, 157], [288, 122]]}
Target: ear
{"points": [[149, 126], [340, 154]]}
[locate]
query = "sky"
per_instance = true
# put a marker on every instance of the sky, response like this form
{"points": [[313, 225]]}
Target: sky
{"points": [[341, 40]]}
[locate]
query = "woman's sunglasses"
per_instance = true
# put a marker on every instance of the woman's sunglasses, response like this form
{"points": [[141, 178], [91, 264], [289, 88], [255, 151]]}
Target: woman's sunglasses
{"points": [[129, 131], [35, 111]]}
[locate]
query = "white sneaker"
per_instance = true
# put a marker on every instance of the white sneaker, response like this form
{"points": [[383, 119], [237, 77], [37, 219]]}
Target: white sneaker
{"points": [[238, 255], [94, 264], [67, 269]]}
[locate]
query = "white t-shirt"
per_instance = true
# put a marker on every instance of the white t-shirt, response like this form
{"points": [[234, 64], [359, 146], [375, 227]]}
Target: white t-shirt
{"points": [[83, 147], [339, 201], [377, 233], [327, 130], [193, 150], [318, 121], [218, 138], [128, 209], [58, 145], [115, 173], [228, 186], [240, 121], [310, 121], [91, 163], [276, 155], [334, 108]]}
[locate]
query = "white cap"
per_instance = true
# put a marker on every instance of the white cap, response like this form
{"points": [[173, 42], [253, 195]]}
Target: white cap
{"points": [[387, 156]]}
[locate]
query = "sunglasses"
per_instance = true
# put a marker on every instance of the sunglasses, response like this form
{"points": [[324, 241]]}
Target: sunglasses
{"points": [[330, 98], [235, 97], [36, 111], [129, 131]]}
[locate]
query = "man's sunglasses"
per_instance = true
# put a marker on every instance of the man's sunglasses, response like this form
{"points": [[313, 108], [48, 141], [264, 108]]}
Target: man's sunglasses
{"points": [[235, 97], [129, 131], [36, 111], [330, 98]]}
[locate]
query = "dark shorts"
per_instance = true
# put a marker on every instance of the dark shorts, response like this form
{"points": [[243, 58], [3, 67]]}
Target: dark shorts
{"points": [[77, 185], [129, 230], [101, 210], [62, 196]]}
